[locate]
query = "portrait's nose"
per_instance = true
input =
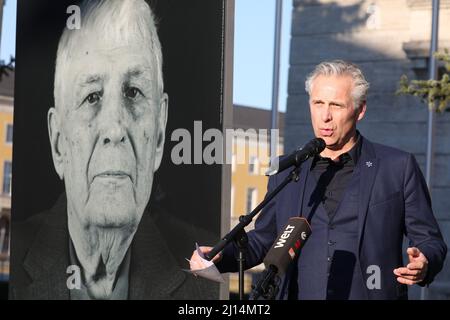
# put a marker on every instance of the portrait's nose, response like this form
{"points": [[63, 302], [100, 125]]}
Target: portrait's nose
{"points": [[113, 123], [114, 137]]}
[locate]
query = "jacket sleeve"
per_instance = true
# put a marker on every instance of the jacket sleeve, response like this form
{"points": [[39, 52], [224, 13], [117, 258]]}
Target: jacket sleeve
{"points": [[260, 239], [421, 227]]}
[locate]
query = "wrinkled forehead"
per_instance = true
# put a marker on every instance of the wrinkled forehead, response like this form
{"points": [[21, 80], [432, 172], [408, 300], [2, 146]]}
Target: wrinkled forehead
{"points": [[112, 27], [91, 39], [110, 24]]}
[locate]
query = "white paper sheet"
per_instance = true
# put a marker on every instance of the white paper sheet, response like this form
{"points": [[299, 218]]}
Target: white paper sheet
{"points": [[206, 269]]}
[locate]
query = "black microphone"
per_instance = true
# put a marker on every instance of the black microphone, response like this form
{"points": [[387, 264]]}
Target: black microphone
{"points": [[312, 148], [287, 246], [284, 250]]}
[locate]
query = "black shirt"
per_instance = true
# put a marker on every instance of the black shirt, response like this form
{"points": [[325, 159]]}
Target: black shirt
{"points": [[333, 177]]}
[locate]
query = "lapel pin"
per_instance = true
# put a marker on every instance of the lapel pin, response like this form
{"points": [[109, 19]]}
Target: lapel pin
{"points": [[369, 164]]}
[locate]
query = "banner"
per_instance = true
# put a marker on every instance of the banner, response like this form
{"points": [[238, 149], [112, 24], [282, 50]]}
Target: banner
{"points": [[102, 207]]}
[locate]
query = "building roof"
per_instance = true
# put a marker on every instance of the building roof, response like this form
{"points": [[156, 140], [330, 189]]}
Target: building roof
{"points": [[253, 118], [7, 85]]}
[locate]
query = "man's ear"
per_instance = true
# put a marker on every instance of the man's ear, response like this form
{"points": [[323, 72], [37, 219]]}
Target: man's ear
{"points": [[362, 111], [54, 133], [161, 134]]}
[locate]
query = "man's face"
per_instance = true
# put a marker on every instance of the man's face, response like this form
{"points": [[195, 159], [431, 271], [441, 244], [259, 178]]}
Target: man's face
{"points": [[332, 109], [108, 136]]}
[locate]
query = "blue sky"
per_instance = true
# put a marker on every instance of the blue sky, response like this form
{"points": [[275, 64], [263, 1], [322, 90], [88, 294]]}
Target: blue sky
{"points": [[8, 44], [253, 55]]}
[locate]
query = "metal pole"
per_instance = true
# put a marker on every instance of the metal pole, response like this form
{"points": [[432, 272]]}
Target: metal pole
{"points": [[276, 76], [431, 113], [2, 4], [241, 275]]}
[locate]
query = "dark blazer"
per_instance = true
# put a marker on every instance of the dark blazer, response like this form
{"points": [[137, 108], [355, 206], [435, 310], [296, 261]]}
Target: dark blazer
{"points": [[40, 257], [394, 203]]}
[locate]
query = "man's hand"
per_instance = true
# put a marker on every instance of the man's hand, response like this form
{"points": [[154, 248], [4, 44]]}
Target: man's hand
{"points": [[416, 271], [196, 262]]}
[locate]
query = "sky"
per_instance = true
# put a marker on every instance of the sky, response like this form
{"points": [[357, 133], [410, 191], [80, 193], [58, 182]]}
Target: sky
{"points": [[254, 40], [8, 44], [253, 54]]}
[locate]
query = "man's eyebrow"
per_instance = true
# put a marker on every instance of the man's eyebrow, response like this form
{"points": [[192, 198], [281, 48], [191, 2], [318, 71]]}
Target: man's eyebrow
{"points": [[138, 71], [338, 103], [88, 79], [135, 72]]}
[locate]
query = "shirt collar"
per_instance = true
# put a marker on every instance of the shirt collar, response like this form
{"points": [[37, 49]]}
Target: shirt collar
{"points": [[355, 152], [352, 155]]}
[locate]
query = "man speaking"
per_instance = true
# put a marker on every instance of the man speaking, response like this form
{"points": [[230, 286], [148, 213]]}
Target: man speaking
{"points": [[361, 199]]}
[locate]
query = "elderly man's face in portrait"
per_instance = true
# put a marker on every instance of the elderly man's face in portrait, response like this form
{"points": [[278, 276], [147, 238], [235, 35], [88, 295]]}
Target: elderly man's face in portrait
{"points": [[108, 136]]}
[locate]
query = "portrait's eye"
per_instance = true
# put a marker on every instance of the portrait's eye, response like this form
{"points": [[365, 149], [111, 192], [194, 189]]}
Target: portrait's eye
{"points": [[93, 98], [132, 93]]}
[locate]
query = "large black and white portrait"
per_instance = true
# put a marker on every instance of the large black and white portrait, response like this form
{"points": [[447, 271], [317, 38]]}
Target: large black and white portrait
{"points": [[99, 209]]}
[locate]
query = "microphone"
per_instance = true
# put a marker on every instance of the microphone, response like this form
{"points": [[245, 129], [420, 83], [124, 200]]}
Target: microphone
{"points": [[284, 250], [312, 148]]}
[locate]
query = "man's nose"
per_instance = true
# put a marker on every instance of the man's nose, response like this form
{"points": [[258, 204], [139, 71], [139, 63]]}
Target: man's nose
{"points": [[114, 136], [326, 114], [113, 123]]}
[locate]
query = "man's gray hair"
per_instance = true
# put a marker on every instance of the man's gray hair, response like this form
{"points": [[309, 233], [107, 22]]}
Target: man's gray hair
{"points": [[116, 20], [342, 68]]}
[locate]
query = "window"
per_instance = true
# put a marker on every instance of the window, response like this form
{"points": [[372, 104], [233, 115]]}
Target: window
{"points": [[252, 195], [232, 201], [253, 166], [4, 230], [7, 175], [9, 133], [4, 248], [233, 163]]}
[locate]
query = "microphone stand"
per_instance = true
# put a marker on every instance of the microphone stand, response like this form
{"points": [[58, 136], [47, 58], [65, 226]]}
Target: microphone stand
{"points": [[238, 234], [266, 287]]}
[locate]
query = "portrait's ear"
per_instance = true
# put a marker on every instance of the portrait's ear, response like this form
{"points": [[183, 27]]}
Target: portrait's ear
{"points": [[161, 134], [55, 141], [362, 111]]}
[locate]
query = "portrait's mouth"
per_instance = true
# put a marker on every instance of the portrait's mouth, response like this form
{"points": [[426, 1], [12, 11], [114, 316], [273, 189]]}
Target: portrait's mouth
{"points": [[113, 175]]}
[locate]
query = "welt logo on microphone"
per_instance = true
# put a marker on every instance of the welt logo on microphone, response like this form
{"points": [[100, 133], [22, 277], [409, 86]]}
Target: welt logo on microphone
{"points": [[284, 238], [287, 246]]}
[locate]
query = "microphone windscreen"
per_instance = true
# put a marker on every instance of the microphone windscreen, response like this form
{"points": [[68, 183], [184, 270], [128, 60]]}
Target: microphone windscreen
{"points": [[288, 244]]}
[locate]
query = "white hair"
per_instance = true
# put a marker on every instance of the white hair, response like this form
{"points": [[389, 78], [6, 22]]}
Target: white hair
{"points": [[342, 68], [123, 21]]}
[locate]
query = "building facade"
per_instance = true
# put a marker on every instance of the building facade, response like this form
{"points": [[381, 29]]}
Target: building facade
{"points": [[386, 38], [251, 157], [6, 138]]}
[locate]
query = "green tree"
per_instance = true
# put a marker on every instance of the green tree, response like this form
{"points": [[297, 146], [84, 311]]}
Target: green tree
{"points": [[431, 92]]}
